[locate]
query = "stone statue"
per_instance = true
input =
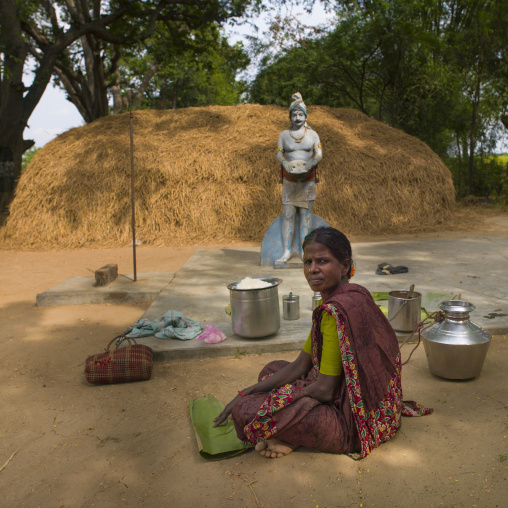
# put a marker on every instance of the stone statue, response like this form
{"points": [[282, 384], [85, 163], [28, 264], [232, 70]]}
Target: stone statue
{"points": [[299, 152]]}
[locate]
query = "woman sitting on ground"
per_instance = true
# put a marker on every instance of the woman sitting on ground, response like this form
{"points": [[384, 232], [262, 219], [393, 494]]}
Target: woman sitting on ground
{"points": [[343, 393]]}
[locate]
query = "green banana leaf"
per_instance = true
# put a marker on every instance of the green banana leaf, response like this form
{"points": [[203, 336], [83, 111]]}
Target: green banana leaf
{"points": [[431, 301], [379, 295], [423, 315], [214, 443]]}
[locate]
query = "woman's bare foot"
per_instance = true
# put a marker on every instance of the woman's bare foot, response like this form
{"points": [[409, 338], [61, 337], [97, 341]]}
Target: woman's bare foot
{"points": [[261, 446], [273, 448]]}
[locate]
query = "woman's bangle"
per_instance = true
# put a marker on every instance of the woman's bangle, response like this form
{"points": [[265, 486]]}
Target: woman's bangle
{"points": [[240, 393]]}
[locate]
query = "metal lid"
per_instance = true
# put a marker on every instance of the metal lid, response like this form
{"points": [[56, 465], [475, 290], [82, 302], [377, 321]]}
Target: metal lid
{"points": [[291, 297]]}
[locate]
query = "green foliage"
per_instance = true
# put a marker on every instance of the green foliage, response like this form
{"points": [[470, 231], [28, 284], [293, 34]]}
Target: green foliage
{"points": [[202, 72], [291, 72], [28, 156], [240, 353], [491, 172]]}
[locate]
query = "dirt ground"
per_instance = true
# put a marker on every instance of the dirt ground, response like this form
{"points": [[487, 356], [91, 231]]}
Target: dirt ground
{"points": [[64, 443]]}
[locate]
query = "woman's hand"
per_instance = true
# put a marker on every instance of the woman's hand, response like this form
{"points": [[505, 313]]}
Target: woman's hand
{"points": [[287, 374], [222, 417], [324, 389]]}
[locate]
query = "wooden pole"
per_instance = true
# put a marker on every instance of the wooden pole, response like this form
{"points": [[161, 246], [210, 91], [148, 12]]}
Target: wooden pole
{"points": [[132, 197]]}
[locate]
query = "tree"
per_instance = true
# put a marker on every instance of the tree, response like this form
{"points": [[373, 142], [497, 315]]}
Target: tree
{"points": [[476, 47], [200, 72], [89, 70], [51, 31]]}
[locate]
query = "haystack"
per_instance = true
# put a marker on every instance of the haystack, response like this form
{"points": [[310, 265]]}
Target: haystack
{"points": [[210, 175]]}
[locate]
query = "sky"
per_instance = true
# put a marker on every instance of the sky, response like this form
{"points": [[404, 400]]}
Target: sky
{"points": [[55, 114]]}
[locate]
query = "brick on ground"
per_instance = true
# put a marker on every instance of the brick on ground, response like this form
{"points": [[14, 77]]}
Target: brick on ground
{"points": [[106, 275]]}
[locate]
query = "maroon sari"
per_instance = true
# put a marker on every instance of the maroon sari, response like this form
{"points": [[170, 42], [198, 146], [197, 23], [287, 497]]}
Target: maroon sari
{"points": [[368, 407]]}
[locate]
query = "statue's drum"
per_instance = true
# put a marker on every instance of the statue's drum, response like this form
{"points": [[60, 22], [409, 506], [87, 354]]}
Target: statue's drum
{"points": [[298, 169]]}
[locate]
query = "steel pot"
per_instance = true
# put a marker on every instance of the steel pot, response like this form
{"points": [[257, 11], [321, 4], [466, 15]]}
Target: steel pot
{"points": [[255, 312], [404, 308], [456, 348]]}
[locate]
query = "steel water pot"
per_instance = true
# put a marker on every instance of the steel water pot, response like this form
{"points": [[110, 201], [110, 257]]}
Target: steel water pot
{"points": [[455, 347], [255, 312]]}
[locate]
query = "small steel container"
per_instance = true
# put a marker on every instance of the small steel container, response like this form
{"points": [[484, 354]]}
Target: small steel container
{"points": [[291, 307], [315, 299], [255, 312]]}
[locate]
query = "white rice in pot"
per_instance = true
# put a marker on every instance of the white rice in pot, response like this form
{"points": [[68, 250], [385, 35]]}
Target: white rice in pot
{"points": [[249, 283]]}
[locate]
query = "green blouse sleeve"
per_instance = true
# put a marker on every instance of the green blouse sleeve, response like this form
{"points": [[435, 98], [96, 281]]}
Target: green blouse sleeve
{"points": [[331, 363], [308, 345]]}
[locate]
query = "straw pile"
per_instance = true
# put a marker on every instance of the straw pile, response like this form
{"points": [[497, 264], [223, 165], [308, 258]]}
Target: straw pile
{"points": [[210, 175]]}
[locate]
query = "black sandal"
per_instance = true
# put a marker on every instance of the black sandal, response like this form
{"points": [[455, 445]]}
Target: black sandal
{"points": [[387, 269]]}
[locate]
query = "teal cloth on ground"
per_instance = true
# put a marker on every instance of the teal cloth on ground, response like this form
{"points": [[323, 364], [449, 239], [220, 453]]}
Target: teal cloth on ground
{"points": [[172, 325], [214, 443]]}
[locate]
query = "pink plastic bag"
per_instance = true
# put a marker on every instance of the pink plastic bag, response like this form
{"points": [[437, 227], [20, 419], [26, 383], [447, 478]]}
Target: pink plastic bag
{"points": [[212, 335]]}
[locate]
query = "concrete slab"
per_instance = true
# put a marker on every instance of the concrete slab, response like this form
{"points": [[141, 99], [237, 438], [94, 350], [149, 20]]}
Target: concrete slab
{"points": [[82, 290], [477, 269]]}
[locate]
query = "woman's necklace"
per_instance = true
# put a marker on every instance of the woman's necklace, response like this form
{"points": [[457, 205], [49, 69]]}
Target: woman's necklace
{"points": [[299, 140]]}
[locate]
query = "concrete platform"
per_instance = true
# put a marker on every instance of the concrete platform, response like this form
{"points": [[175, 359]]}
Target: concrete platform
{"points": [[476, 268], [81, 290]]}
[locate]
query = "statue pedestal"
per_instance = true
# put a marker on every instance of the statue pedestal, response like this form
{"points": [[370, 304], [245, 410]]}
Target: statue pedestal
{"points": [[271, 248], [294, 262]]}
